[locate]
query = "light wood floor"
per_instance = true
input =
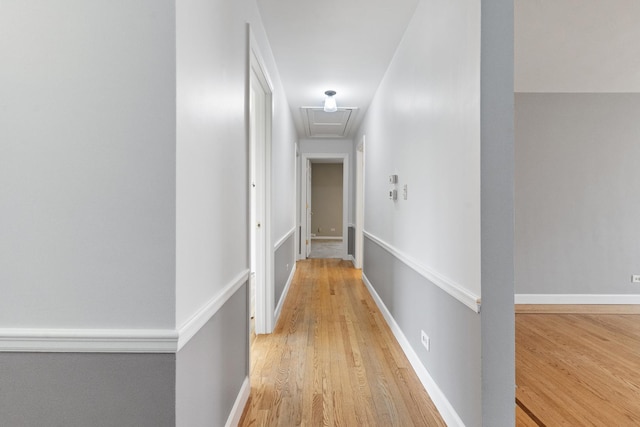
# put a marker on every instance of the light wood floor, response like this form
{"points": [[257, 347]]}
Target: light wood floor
{"points": [[578, 370], [332, 360]]}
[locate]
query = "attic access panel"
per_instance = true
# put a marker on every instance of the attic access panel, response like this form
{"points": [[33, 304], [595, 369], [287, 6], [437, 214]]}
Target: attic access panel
{"points": [[319, 124]]}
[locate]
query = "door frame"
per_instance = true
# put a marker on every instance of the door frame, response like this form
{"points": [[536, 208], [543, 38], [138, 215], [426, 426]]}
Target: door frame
{"points": [[359, 235], [308, 207], [264, 293], [339, 158]]}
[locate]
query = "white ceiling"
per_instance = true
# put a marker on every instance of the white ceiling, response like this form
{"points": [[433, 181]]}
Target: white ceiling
{"points": [[342, 45], [347, 45], [577, 45]]}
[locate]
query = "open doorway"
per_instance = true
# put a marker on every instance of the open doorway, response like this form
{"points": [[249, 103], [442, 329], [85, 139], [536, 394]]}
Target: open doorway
{"points": [[321, 222], [326, 209]]}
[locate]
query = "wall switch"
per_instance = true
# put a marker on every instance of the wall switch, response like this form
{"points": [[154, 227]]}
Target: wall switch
{"points": [[287, 267], [393, 195], [404, 191], [635, 278], [393, 179], [426, 342]]}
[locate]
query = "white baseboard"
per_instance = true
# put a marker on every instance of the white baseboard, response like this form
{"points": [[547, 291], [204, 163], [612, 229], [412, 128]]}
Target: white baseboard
{"points": [[240, 403], [447, 411], [600, 299], [285, 291]]}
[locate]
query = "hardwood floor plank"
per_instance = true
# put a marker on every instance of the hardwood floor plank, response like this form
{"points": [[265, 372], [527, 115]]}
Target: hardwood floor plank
{"points": [[524, 420], [332, 359], [579, 369]]}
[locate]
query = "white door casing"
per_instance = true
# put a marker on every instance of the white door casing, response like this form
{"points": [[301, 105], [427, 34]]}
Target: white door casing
{"points": [[306, 223], [261, 249], [308, 211], [359, 235]]}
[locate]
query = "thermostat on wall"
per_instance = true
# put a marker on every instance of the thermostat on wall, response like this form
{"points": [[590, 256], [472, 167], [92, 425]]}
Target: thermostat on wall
{"points": [[393, 195], [393, 179]]}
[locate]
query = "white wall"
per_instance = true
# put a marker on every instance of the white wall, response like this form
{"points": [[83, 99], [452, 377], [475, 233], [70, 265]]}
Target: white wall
{"points": [[212, 148], [211, 222], [568, 46], [87, 164], [283, 159], [424, 126], [90, 218]]}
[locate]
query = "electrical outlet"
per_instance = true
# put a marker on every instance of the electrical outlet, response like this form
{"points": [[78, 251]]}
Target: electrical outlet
{"points": [[426, 342], [635, 278]]}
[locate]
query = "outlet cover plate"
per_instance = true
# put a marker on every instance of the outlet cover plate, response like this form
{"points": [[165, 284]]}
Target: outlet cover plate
{"points": [[426, 342]]}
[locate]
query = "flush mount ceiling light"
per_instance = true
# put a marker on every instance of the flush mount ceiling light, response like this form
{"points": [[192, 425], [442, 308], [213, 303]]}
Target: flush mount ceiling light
{"points": [[330, 102]]}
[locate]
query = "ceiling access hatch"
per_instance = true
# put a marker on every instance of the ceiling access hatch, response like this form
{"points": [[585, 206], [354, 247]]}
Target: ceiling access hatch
{"points": [[319, 124]]}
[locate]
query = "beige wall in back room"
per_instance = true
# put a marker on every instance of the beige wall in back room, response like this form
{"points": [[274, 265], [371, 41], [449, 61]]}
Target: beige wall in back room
{"points": [[326, 199]]}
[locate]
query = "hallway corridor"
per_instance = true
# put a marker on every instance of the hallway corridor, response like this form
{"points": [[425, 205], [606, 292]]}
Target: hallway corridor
{"points": [[332, 360]]}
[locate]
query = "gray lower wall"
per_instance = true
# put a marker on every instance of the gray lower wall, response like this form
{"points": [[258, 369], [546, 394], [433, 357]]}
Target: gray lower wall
{"points": [[86, 389], [213, 365], [417, 304], [284, 255], [577, 187], [351, 242]]}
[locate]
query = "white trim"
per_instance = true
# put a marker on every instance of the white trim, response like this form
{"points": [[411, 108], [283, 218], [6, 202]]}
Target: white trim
{"points": [[359, 205], [449, 286], [88, 340], [240, 403], [191, 327], [285, 291], [264, 290], [447, 411], [326, 238], [284, 239], [117, 340], [576, 299]]}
